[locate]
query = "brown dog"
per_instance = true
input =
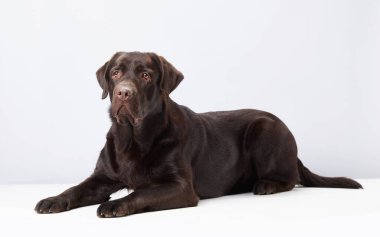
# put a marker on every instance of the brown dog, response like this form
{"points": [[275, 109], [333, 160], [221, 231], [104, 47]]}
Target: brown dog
{"points": [[172, 157]]}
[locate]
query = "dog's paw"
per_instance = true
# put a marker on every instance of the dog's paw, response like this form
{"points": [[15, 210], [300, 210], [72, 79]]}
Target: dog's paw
{"points": [[263, 187], [115, 208], [52, 205]]}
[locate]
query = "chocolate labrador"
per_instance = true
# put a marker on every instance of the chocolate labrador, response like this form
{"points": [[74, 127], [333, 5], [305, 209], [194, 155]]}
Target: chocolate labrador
{"points": [[172, 157]]}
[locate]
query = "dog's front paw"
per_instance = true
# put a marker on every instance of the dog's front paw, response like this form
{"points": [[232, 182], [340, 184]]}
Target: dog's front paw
{"points": [[52, 205], [115, 208]]}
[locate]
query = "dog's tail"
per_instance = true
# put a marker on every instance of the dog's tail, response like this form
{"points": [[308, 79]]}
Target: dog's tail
{"points": [[309, 179]]}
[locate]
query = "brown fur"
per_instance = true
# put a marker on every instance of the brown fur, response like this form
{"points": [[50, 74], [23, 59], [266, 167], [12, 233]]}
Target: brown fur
{"points": [[172, 157]]}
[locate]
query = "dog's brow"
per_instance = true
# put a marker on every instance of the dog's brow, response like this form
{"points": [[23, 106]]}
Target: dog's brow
{"points": [[123, 59]]}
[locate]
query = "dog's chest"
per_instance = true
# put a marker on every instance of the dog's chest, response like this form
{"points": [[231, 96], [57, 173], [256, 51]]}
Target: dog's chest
{"points": [[131, 171]]}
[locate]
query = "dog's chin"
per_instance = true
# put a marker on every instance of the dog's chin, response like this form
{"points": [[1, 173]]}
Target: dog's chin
{"points": [[123, 116]]}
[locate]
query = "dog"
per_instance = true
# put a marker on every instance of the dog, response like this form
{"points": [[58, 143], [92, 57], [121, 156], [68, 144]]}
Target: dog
{"points": [[172, 157]]}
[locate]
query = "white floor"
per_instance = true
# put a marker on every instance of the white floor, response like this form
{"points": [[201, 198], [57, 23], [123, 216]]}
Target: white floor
{"points": [[301, 212]]}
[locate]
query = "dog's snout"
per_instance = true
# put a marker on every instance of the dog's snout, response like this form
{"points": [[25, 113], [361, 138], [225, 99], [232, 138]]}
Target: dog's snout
{"points": [[124, 93]]}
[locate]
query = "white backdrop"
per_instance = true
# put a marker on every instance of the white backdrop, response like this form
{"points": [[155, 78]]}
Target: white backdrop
{"points": [[315, 64]]}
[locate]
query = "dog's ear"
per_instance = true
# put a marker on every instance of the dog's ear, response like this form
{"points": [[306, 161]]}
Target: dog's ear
{"points": [[102, 80], [170, 76]]}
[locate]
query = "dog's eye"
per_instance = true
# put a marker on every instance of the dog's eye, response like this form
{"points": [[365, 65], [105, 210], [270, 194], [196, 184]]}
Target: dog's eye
{"points": [[115, 74], [145, 76]]}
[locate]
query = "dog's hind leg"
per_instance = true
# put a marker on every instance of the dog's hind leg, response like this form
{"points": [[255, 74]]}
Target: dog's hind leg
{"points": [[274, 153]]}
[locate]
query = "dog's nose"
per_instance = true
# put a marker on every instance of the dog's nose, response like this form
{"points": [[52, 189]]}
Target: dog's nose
{"points": [[124, 93]]}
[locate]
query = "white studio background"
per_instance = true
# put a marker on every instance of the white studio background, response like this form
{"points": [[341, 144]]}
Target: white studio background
{"points": [[315, 64]]}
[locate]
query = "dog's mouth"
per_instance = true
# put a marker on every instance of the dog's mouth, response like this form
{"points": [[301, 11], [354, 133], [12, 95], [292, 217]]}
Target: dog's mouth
{"points": [[122, 113]]}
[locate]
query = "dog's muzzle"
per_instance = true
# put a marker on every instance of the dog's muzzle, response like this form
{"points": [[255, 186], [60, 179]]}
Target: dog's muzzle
{"points": [[125, 91]]}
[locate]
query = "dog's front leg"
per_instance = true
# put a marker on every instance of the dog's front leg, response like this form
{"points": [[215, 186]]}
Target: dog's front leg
{"points": [[94, 190], [160, 197]]}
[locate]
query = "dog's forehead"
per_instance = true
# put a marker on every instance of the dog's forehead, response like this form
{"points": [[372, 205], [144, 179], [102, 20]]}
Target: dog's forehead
{"points": [[135, 58]]}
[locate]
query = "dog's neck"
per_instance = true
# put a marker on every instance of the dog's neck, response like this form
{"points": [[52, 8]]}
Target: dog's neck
{"points": [[151, 129]]}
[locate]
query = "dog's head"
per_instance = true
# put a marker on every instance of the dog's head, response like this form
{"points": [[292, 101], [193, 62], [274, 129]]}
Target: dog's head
{"points": [[137, 83]]}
